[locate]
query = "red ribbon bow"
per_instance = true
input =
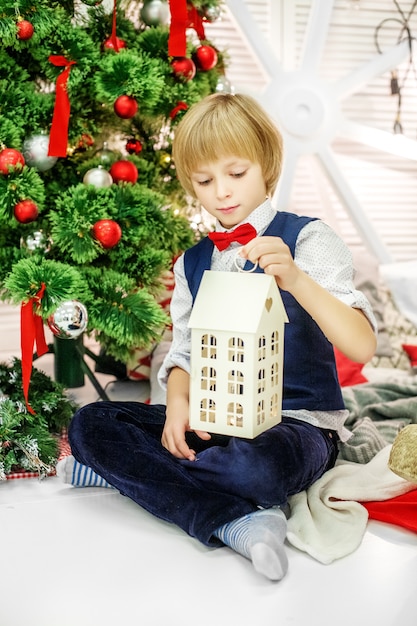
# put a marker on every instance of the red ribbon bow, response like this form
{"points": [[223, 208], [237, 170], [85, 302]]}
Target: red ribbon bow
{"points": [[241, 234], [181, 106], [58, 138], [31, 331]]}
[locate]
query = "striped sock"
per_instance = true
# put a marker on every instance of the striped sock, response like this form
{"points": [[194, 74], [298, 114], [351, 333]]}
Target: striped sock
{"points": [[259, 536], [79, 475]]}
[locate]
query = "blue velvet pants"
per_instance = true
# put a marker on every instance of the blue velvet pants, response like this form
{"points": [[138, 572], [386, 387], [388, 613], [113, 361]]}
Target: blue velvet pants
{"points": [[231, 477]]}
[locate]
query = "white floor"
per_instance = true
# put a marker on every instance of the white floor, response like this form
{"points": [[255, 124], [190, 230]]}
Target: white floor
{"points": [[90, 557]]}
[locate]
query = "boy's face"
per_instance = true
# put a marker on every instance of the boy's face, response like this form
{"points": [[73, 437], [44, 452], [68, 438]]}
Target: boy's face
{"points": [[229, 189]]}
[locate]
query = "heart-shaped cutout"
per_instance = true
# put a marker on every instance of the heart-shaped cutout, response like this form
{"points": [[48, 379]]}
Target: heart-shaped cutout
{"points": [[268, 304]]}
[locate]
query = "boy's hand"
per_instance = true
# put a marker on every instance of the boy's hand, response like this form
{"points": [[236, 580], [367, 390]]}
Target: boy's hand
{"points": [[173, 436], [274, 257]]}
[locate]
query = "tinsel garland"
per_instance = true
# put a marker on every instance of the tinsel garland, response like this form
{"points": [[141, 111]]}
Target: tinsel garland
{"points": [[31, 442]]}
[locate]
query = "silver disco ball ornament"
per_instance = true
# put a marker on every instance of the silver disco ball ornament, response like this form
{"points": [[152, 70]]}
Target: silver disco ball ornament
{"points": [[35, 150], [36, 241], [98, 177], [155, 12], [224, 86], [69, 320]]}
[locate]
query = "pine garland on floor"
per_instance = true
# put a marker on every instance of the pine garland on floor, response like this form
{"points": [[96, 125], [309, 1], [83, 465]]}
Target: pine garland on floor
{"points": [[31, 442]]}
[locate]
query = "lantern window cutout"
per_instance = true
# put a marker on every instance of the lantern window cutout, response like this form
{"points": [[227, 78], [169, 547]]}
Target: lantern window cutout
{"points": [[260, 414], [235, 383], [208, 346], [237, 341], [236, 350], [235, 415], [207, 411], [208, 378]]}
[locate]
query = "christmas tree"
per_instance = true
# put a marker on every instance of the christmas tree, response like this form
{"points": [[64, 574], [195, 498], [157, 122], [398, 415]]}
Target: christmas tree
{"points": [[30, 442], [90, 209]]}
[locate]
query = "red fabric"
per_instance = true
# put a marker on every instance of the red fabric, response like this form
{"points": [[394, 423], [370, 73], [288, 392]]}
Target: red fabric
{"points": [[113, 37], [400, 511], [349, 372], [58, 138], [177, 42], [183, 16], [31, 334], [242, 234], [142, 369], [196, 21], [411, 353]]}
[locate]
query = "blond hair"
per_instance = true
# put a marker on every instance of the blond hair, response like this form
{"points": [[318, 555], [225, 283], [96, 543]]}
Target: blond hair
{"points": [[227, 125]]}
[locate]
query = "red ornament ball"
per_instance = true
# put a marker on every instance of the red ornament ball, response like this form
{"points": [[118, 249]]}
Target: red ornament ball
{"points": [[114, 44], [133, 146], [124, 172], [205, 58], [107, 232], [26, 211], [9, 159], [125, 107], [184, 67], [25, 30]]}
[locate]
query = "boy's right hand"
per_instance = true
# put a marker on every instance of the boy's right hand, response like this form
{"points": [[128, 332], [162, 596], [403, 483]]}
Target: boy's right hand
{"points": [[173, 436]]}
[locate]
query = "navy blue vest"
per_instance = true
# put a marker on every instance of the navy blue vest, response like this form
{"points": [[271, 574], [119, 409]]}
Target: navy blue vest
{"points": [[310, 376]]}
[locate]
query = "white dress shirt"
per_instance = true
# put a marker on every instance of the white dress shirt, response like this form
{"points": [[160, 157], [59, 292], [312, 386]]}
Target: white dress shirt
{"points": [[319, 252]]}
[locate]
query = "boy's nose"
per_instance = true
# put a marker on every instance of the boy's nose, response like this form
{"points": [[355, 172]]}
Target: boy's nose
{"points": [[222, 190]]}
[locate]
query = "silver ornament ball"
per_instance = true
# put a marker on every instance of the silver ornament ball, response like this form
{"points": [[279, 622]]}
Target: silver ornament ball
{"points": [[224, 86], [105, 155], [155, 12], [212, 14], [69, 320], [98, 177], [36, 241], [35, 150]]}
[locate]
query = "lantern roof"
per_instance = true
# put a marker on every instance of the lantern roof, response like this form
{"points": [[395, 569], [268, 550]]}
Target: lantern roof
{"points": [[236, 301]]}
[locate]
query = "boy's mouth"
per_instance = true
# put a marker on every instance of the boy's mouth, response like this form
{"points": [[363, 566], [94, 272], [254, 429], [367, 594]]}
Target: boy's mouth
{"points": [[228, 209]]}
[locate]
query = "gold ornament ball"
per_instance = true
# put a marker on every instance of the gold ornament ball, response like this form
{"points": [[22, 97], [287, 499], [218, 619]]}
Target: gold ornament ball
{"points": [[403, 456], [165, 160]]}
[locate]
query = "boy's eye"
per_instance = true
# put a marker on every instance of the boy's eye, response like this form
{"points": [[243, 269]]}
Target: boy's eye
{"points": [[239, 174], [203, 182]]}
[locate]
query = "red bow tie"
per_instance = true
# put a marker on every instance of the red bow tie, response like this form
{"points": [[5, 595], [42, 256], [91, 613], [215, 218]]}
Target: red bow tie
{"points": [[241, 234]]}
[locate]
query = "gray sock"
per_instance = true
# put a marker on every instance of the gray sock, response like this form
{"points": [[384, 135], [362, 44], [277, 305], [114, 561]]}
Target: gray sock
{"points": [[259, 536]]}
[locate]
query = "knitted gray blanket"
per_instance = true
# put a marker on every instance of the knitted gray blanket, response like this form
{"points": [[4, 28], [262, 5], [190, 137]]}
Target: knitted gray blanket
{"points": [[377, 412]]}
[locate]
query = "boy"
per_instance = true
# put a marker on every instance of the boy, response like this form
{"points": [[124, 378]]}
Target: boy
{"points": [[220, 489]]}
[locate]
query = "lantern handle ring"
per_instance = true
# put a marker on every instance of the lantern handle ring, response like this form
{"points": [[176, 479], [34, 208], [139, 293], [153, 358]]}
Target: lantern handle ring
{"points": [[240, 268]]}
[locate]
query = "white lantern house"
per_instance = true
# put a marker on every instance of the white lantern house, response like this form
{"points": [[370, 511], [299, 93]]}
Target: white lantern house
{"points": [[237, 345]]}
